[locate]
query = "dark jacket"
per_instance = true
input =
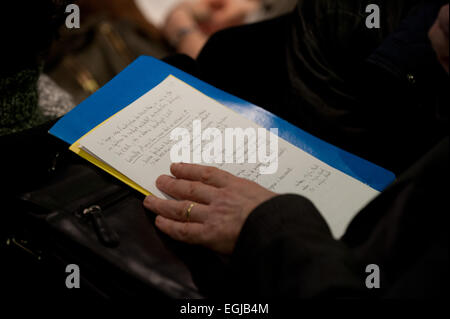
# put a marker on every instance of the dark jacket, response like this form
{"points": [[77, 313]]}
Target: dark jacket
{"points": [[286, 249]]}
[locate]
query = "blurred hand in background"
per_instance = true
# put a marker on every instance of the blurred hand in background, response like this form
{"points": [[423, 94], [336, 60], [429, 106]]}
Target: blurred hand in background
{"points": [[190, 24], [439, 37], [221, 14]]}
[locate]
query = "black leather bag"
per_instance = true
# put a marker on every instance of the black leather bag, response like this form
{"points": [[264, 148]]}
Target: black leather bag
{"points": [[83, 216]]}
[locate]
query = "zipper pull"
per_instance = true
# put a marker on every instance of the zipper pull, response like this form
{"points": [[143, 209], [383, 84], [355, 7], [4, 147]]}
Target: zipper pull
{"points": [[106, 234]]}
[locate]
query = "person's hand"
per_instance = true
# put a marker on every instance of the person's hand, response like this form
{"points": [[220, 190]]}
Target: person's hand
{"points": [[439, 37], [209, 16], [210, 206], [227, 13], [182, 17]]}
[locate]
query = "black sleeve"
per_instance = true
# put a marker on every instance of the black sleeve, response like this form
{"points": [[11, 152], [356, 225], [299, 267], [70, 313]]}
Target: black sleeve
{"points": [[286, 249]]}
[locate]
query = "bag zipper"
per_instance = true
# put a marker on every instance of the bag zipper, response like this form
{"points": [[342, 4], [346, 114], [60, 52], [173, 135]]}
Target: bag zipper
{"points": [[94, 213]]}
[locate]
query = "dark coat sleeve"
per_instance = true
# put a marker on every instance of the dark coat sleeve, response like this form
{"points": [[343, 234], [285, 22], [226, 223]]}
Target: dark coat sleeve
{"points": [[286, 250]]}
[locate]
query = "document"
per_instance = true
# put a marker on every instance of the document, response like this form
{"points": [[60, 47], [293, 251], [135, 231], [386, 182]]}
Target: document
{"points": [[136, 145]]}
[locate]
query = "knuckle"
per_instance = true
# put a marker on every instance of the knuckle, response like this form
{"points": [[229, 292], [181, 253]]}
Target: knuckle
{"points": [[225, 199], [180, 211], [184, 232], [207, 174], [191, 189], [224, 193], [220, 193]]}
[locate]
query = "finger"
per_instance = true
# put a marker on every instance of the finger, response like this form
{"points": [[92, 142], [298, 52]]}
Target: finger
{"points": [[438, 38], [444, 19], [439, 42], [190, 233], [186, 190], [177, 210], [206, 174]]}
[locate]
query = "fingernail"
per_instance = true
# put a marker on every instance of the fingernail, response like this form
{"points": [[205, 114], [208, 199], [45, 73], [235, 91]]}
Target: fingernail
{"points": [[160, 180], [175, 166]]}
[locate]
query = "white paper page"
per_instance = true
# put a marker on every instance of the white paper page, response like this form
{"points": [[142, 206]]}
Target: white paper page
{"points": [[156, 11], [136, 142]]}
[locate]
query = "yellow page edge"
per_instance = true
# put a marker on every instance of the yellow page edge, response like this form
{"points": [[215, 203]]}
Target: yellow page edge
{"points": [[110, 170]]}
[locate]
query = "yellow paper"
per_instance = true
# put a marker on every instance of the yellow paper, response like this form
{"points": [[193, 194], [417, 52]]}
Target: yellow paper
{"points": [[77, 150]]}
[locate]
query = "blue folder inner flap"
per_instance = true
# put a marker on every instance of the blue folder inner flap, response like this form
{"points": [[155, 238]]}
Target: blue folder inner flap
{"points": [[146, 72]]}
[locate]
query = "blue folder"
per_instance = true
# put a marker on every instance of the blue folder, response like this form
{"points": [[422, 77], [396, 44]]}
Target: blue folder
{"points": [[147, 72]]}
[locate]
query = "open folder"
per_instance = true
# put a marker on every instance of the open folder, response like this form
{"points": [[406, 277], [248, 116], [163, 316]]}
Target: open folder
{"points": [[126, 128]]}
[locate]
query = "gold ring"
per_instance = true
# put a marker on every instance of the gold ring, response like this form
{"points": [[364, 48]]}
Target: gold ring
{"points": [[188, 211]]}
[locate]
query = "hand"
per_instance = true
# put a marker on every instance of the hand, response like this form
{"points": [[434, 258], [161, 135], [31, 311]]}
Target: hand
{"points": [[227, 13], [181, 17], [209, 16], [439, 37], [222, 204], [190, 14]]}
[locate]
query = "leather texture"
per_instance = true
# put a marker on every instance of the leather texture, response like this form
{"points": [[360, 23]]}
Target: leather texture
{"points": [[142, 255]]}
